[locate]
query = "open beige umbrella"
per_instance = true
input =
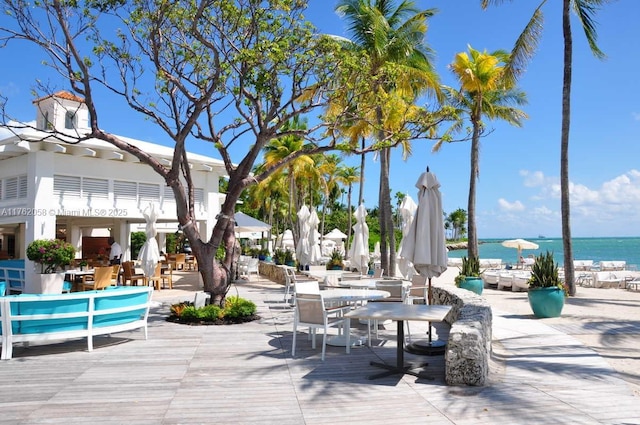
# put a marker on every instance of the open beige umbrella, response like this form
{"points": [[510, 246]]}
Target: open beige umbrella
{"points": [[519, 244]]}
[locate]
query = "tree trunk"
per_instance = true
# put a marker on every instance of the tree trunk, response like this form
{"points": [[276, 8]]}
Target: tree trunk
{"points": [[564, 150], [361, 189], [349, 217], [472, 244], [383, 210]]}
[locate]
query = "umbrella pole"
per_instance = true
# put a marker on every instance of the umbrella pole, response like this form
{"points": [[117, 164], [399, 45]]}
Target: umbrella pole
{"points": [[429, 347]]}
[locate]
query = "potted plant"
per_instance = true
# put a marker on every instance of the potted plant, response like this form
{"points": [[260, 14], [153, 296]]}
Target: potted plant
{"points": [[50, 257], [335, 261], [279, 256], [288, 258], [469, 276], [82, 264], [546, 291]]}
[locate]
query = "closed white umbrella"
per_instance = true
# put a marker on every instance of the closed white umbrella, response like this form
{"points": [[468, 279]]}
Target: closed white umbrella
{"points": [[314, 238], [425, 245], [302, 250], [149, 253], [359, 251], [407, 210]]}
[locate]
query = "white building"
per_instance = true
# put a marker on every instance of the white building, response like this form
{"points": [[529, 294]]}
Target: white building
{"points": [[53, 189]]}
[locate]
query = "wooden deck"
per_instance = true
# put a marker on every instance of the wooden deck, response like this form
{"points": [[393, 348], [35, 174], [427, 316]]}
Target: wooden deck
{"points": [[240, 374], [244, 374]]}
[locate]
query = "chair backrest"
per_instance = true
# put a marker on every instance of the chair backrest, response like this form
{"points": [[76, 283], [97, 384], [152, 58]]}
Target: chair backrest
{"points": [[127, 268], [310, 308], [158, 270], [102, 277], [394, 287], [307, 287], [418, 280], [377, 273], [291, 272], [115, 271], [252, 265]]}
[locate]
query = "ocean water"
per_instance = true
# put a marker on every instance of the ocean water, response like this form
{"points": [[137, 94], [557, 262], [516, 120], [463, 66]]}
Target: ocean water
{"points": [[596, 249]]}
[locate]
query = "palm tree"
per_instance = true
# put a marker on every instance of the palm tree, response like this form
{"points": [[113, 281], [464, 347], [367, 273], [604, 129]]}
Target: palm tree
{"points": [[348, 176], [279, 149], [328, 166], [523, 50], [399, 61], [457, 220], [484, 92]]}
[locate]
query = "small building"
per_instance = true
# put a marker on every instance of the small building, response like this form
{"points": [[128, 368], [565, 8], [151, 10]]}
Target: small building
{"points": [[49, 188]]}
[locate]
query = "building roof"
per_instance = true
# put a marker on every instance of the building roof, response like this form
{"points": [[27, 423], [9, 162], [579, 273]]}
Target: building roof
{"points": [[62, 94]]}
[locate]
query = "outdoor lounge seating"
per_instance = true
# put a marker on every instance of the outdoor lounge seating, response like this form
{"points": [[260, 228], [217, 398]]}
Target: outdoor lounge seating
{"points": [[37, 317], [12, 274]]}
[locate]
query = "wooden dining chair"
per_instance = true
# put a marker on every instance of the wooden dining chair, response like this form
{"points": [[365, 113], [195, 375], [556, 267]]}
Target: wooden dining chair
{"points": [[156, 279], [100, 279], [130, 275]]}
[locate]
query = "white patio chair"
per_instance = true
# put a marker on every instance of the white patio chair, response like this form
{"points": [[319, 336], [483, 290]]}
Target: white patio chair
{"points": [[311, 312]]}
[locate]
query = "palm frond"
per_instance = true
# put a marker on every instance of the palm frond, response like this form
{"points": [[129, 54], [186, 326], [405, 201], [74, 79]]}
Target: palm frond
{"points": [[525, 46], [586, 10]]}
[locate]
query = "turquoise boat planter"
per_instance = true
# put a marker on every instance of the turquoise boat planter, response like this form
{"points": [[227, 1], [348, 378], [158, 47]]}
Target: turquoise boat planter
{"points": [[546, 302], [473, 284]]}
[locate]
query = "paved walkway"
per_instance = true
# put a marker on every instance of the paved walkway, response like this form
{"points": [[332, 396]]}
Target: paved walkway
{"points": [[244, 374]]}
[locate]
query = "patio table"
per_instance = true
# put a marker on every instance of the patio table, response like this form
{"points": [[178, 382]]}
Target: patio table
{"points": [[351, 296], [399, 312]]}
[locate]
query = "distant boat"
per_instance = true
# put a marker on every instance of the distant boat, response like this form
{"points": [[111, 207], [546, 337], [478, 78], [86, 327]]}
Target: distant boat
{"points": [[541, 236]]}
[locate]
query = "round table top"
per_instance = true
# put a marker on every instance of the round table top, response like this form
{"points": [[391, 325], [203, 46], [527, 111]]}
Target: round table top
{"points": [[340, 294]]}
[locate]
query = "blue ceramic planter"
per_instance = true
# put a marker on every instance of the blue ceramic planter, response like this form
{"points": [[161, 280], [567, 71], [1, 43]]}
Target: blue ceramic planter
{"points": [[473, 284], [546, 302]]}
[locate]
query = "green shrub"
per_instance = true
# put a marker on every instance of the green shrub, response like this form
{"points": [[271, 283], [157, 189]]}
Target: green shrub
{"points": [[190, 313], [211, 312], [236, 307]]}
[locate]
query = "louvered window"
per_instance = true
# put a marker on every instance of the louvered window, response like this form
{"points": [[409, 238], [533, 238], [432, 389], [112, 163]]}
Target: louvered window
{"points": [[198, 197], [22, 186], [125, 191], [11, 188], [148, 193], [66, 186], [95, 188]]}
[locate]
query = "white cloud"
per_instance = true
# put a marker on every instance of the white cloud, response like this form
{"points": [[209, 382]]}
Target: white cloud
{"points": [[510, 206], [532, 179], [612, 208]]}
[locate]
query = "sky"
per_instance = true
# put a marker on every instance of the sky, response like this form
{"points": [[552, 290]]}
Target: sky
{"points": [[518, 191]]}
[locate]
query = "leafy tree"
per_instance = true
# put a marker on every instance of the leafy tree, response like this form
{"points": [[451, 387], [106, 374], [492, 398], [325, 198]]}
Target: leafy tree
{"points": [[392, 38], [229, 73], [457, 221], [523, 50], [348, 176], [484, 92]]}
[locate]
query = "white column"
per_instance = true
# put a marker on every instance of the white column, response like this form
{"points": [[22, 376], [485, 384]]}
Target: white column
{"points": [[40, 168]]}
